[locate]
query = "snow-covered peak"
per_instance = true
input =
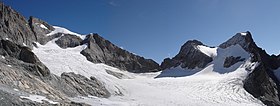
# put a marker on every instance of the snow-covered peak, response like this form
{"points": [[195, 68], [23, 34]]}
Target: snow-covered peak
{"points": [[64, 31]]}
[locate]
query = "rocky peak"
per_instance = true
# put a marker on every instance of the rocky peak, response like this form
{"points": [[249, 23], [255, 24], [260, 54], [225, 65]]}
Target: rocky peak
{"points": [[40, 28], [100, 50], [191, 44], [188, 57], [14, 27], [244, 39]]}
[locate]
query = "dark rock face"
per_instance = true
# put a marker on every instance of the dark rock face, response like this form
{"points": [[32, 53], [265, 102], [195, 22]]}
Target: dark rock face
{"points": [[188, 57], [261, 82], [100, 50], [68, 40], [229, 61], [244, 39], [40, 28], [75, 84], [8, 48]]}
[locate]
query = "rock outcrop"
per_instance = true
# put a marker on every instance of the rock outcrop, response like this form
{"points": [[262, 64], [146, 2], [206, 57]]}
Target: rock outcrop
{"points": [[100, 50], [68, 40], [13, 26], [188, 57], [11, 50], [77, 85], [40, 28], [229, 61]]}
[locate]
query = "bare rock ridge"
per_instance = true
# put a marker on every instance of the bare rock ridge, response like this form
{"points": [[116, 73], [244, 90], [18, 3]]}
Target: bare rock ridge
{"points": [[100, 50], [188, 57]]}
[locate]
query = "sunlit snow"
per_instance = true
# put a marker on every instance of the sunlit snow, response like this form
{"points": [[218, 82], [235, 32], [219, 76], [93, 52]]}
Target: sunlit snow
{"points": [[211, 52], [64, 31], [243, 33]]}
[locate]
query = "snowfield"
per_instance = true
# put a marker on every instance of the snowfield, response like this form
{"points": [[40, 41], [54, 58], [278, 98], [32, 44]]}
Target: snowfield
{"points": [[213, 85]]}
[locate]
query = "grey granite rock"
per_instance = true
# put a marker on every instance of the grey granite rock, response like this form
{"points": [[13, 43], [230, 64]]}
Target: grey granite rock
{"points": [[75, 85], [25, 54], [40, 28], [13, 26]]}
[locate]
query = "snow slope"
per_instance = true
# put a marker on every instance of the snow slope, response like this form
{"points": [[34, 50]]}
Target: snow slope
{"points": [[213, 85]]}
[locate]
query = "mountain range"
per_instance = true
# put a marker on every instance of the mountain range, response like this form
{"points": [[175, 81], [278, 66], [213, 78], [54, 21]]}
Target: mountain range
{"points": [[44, 65]]}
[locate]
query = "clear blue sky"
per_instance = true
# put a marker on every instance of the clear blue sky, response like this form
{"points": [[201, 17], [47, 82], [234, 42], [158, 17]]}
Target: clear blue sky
{"points": [[157, 28]]}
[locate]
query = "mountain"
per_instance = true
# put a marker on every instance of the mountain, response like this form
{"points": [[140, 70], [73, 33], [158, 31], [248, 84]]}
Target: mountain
{"points": [[44, 65], [263, 80]]}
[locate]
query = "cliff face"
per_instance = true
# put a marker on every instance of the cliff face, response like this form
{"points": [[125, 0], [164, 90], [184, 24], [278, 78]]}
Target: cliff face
{"points": [[14, 27], [100, 50]]}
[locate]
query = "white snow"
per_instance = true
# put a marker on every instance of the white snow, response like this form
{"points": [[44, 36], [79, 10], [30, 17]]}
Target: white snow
{"points": [[9, 65], [211, 52], [3, 57], [24, 44], [64, 31], [7, 38], [243, 33], [213, 85], [43, 26], [38, 98]]}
